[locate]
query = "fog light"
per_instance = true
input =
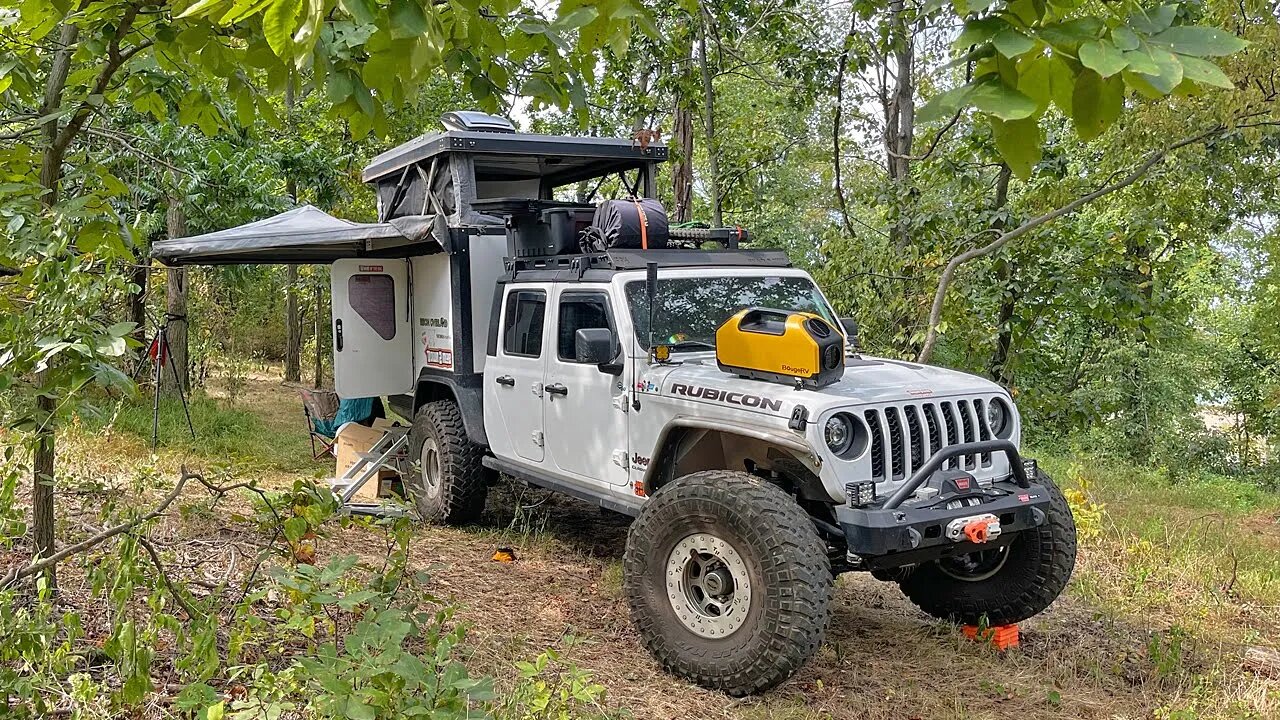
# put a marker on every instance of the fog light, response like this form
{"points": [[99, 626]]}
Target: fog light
{"points": [[860, 494]]}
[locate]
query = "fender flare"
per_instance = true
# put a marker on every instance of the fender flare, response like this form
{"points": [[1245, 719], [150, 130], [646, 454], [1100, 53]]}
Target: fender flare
{"points": [[466, 390], [680, 422]]}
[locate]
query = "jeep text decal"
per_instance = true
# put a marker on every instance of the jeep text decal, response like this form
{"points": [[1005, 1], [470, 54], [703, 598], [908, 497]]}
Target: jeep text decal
{"points": [[734, 398]]}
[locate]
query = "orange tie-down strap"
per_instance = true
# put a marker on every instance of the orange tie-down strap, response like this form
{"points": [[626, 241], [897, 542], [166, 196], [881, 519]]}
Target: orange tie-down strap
{"points": [[644, 226]]}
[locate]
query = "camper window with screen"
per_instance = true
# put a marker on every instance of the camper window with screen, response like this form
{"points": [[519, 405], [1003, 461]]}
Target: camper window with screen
{"points": [[373, 297]]}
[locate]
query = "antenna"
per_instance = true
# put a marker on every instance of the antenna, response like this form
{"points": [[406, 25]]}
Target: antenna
{"points": [[651, 293]]}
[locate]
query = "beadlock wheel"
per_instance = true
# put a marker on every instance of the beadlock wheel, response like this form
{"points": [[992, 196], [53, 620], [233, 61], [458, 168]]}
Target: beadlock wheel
{"points": [[708, 585]]}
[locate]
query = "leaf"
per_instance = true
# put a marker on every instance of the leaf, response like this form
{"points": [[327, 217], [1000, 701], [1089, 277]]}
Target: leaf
{"points": [[294, 528], [945, 104], [1199, 41], [152, 103], [1034, 81], [1168, 74], [1011, 43], [1069, 34], [407, 19], [1095, 103], [577, 18], [1102, 57], [977, 32], [278, 23], [1062, 82], [995, 98], [1204, 72], [1018, 142], [1124, 38], [1154, 20], [362, 11]]}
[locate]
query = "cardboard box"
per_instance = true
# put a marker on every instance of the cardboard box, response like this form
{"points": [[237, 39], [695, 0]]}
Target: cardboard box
{"points": [[354, 439]]}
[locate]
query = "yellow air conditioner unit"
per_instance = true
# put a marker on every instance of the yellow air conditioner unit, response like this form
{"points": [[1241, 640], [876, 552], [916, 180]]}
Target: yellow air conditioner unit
{"points": [[781, 346]]}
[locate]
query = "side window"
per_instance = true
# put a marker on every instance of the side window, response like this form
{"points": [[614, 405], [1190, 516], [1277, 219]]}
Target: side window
{"points": [[373, 297], [577, 312], [522, 324]]}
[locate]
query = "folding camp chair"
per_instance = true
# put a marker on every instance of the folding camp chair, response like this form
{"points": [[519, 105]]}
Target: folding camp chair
{"points": [[319, 405]]}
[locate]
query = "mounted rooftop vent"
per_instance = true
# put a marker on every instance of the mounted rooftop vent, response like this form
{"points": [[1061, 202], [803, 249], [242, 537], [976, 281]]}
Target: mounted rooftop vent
{"points": [[476, 122]]}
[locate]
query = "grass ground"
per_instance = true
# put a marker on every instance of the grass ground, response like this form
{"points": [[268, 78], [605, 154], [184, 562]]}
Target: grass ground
{"points": [[1174, 582]]}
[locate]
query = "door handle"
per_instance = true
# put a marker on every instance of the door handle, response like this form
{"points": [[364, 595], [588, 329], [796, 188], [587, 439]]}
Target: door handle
{"points": [[557, 389], [506, 380], [337, 334]]}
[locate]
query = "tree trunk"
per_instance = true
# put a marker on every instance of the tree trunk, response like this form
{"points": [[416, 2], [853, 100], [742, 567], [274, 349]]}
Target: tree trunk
{"points": [[138, 301], [682, 172], [320, 339], [709, 121], [293, 321], [44, 458], [998, 365], [900, 110], [174, 376]]}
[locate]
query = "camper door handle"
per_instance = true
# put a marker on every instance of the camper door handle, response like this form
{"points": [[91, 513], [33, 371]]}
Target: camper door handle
{"points": [[506, 380], [557, 389], [337, 334]]}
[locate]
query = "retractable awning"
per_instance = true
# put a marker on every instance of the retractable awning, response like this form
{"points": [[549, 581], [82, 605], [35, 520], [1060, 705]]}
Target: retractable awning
{"points": [[302, 235]]}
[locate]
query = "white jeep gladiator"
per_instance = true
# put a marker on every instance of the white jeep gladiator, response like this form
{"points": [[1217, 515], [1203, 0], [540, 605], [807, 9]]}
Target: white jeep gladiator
{"points": [[713, 395]]}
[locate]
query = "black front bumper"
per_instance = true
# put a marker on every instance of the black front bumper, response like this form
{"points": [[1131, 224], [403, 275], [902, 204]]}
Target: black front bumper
{"points": [[902, 529]]}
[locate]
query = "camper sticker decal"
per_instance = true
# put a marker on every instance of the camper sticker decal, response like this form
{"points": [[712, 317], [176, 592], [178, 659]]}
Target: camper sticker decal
{"points": [[370, 268], [440, 357]]}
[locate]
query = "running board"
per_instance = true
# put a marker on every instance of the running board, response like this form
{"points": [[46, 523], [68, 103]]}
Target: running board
{"points": [[533, 477]]}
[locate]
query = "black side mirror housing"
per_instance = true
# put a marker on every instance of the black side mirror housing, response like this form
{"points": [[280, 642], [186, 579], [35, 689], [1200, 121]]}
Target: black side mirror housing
{"points": [[597, 346], [851, 333]]}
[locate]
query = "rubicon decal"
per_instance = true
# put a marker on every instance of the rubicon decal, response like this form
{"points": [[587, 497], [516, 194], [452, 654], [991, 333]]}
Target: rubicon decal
{"points": [[733, 398]]}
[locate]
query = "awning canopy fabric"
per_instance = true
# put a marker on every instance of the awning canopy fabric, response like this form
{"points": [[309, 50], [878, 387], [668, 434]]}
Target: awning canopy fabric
{"points": [[302, 235]]}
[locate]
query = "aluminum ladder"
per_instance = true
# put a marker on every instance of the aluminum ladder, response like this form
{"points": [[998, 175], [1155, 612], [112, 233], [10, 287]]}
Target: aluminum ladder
{"points": [[391, 451]]}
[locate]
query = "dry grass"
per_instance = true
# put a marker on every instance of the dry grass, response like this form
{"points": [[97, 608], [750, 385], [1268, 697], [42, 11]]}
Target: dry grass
{"points": [[1163, 603]]}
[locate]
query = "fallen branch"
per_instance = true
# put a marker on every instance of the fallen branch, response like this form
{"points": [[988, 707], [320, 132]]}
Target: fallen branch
{"points": [[1262, 661], [40, 565]]}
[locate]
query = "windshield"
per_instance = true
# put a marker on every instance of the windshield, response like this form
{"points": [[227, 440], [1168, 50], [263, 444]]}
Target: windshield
{"points": [[690, 309]]}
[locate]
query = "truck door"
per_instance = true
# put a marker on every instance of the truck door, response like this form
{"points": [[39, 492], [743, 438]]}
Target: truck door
{"points": [[585, 424], [372, 342], [513, 378]]}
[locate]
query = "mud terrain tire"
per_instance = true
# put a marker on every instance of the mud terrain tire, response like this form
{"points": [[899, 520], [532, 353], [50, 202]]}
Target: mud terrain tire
{"points": [[1037, 567], [775, 568], [448, 484]]}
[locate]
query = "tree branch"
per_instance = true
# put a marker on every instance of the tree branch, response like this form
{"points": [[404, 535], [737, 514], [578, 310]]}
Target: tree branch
{"points": [[948, 273], [19, 573]]}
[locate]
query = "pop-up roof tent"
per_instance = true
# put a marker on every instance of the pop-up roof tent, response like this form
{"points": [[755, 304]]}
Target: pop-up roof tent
{"points": [[426, 189]]}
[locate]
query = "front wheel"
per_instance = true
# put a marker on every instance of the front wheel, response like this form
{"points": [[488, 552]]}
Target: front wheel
{"points": [[729, 584], [1003, 585]]}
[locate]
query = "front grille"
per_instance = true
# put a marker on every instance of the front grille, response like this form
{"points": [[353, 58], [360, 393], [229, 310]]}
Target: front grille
{"points": [[905, 436]]}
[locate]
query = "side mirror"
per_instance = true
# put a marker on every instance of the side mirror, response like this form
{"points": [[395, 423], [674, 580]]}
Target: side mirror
{"points": [[595, 346], [851, 332]]}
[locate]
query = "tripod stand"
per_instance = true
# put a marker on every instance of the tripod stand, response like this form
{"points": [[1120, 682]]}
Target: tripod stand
{"points": [[160, 353]]}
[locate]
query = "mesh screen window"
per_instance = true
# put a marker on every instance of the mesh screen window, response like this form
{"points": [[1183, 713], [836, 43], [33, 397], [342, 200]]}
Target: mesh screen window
{"points": [[373, 297]]}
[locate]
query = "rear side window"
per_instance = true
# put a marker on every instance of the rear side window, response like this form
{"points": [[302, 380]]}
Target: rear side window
{"points": [[522, 324], [373, 297]]}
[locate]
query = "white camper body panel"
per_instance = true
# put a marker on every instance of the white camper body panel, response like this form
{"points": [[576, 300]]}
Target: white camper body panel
{"points": [[488, 253], [371, 330], [433, 310]]}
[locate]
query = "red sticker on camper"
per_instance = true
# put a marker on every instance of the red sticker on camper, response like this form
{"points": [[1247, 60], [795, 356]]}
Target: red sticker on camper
{"points": [[370, 268]]}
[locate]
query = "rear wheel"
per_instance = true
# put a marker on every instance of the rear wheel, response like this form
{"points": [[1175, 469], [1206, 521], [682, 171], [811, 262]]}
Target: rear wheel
{"points": [[1001, 585], [448, 484], [728, 582]]}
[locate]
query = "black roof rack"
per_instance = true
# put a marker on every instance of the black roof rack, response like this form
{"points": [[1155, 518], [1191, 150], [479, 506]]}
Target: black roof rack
{"points": [[601, 266]]}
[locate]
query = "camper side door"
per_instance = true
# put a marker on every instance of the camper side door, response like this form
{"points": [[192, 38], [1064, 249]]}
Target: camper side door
{"points": [[372, 338]]}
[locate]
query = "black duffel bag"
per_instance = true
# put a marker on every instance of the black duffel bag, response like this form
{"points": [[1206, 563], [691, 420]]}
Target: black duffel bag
{"points": [[628, 225]]}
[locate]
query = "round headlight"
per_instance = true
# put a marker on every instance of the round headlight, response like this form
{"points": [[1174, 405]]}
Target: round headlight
{"points": [[998, 418], [838, 432]]}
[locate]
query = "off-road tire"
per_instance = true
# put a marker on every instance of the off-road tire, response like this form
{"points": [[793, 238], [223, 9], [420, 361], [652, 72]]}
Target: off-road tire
{"points": [[786, 564], [1037, 568], [457, 498]]}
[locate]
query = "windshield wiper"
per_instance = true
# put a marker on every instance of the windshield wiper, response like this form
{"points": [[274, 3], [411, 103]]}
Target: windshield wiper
{"points": [[690, 344]]}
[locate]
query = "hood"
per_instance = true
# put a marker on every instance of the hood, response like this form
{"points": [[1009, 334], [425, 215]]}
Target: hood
{"points": [[865, 381]]}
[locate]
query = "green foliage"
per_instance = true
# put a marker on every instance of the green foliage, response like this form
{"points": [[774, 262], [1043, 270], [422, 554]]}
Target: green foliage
{"points": [[1025, 57]]}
